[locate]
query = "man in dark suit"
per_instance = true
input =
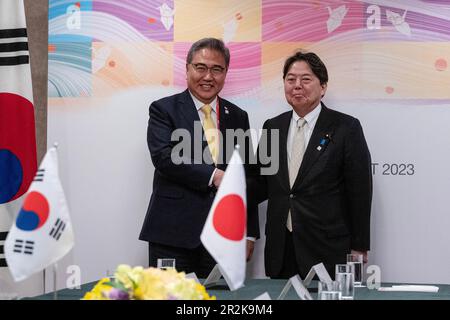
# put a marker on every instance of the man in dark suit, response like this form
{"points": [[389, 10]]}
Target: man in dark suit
{"points": [[185, 180], [319, 200]]}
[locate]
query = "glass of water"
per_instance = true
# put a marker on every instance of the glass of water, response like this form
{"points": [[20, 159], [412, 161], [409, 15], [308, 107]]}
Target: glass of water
{"points": [[110, 273], [345, 275], [166, 263], [328, 290], [357, 261]]}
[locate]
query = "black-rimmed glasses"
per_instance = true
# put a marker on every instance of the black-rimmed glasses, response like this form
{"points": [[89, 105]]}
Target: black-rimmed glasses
{"points": [[202, 68]]}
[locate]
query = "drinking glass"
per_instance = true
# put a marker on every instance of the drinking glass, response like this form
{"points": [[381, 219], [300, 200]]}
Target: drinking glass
{"points": [[345, 275], [166, 263], [328, 291], [357, 261]]}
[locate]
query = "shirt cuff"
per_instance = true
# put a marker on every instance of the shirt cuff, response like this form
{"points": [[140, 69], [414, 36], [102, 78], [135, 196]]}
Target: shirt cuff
{"points": [[251, 239], [210, 183]]}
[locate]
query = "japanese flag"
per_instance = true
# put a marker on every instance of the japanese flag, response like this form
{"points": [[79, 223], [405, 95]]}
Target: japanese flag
{"points": [[224, 233]]}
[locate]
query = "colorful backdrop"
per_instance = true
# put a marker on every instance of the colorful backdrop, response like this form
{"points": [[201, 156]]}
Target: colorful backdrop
{"points": [[388, 65]]}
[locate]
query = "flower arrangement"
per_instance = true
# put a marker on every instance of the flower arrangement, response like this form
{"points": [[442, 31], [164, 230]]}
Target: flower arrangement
{"points": [[147, 284]]}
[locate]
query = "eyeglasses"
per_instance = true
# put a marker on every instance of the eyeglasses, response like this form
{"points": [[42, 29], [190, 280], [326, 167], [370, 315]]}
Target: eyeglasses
{"points": [[202, 69]]}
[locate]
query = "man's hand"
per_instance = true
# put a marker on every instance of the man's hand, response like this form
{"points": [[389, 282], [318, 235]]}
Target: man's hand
{"points": [[250, 249], [217, 179], [364, 254]]}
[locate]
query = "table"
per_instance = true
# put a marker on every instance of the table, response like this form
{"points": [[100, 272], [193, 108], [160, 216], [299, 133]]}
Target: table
{"points": [[255, 287]]}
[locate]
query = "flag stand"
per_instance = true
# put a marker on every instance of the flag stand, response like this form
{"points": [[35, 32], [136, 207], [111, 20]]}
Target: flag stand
{"points": [[55, 271]]}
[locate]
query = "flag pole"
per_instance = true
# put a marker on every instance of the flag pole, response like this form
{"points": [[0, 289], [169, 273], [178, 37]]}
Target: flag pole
{"points": [[55, 270], [55, 265], [55, 144]]}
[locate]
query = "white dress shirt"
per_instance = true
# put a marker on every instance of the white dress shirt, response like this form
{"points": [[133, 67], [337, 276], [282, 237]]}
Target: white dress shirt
{"points": [[311, 119]]}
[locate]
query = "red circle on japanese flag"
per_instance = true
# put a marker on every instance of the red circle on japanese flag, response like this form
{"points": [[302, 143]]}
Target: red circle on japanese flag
{"points": [[229, 217]]}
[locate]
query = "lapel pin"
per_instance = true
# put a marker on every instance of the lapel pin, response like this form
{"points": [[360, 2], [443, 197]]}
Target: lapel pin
{"points": [[226, 110], [324, 142]]}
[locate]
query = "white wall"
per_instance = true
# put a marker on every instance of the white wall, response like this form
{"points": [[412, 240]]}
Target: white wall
{"points": [[392, 86], [107, 174]]}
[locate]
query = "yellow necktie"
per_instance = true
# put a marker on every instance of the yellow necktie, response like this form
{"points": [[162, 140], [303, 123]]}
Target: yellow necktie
{"points": [[297, 152], [211, 134]]}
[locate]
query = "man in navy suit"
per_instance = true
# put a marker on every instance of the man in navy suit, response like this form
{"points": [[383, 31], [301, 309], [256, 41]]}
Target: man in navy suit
{"points": [[185, 182], [319, 200]]}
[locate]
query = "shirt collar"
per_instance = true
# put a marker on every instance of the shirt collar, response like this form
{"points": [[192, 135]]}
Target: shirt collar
{"points": [[311, 117], [199, 104]]}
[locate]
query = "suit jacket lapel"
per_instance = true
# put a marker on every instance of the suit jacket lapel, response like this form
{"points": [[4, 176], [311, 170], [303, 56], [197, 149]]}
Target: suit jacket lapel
{"points": [[223, 118], [190, 113], [315, 149], [284, 129], [188, 110]]}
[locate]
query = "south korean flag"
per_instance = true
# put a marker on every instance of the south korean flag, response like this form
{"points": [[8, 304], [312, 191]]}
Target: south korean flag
{"points": [[17, 128]]}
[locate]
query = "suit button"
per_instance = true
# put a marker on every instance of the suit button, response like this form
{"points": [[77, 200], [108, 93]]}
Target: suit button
{"points": [[212, 194], [292, 196]]}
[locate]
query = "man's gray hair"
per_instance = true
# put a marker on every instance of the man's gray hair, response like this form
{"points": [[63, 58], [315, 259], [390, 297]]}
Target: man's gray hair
{"points": [[210, 43]]}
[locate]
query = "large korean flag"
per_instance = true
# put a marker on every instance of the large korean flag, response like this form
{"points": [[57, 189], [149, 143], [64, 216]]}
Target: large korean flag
{"points": [[17, 130]]}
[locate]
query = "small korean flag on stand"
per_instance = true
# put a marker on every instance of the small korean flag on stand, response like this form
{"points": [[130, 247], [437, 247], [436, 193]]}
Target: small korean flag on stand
{"points": [[42, 233]]}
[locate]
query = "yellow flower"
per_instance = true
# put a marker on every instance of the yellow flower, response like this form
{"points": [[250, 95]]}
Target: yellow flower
{"points": [[205, 295], [151, 285], [99, 290], [148, 284], [128, 276]]}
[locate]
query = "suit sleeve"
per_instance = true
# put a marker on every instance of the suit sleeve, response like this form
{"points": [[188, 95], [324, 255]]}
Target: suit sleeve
{"points": [[358, 186], [257, 186], [159, 132], [257, 183], [250, 173]]}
